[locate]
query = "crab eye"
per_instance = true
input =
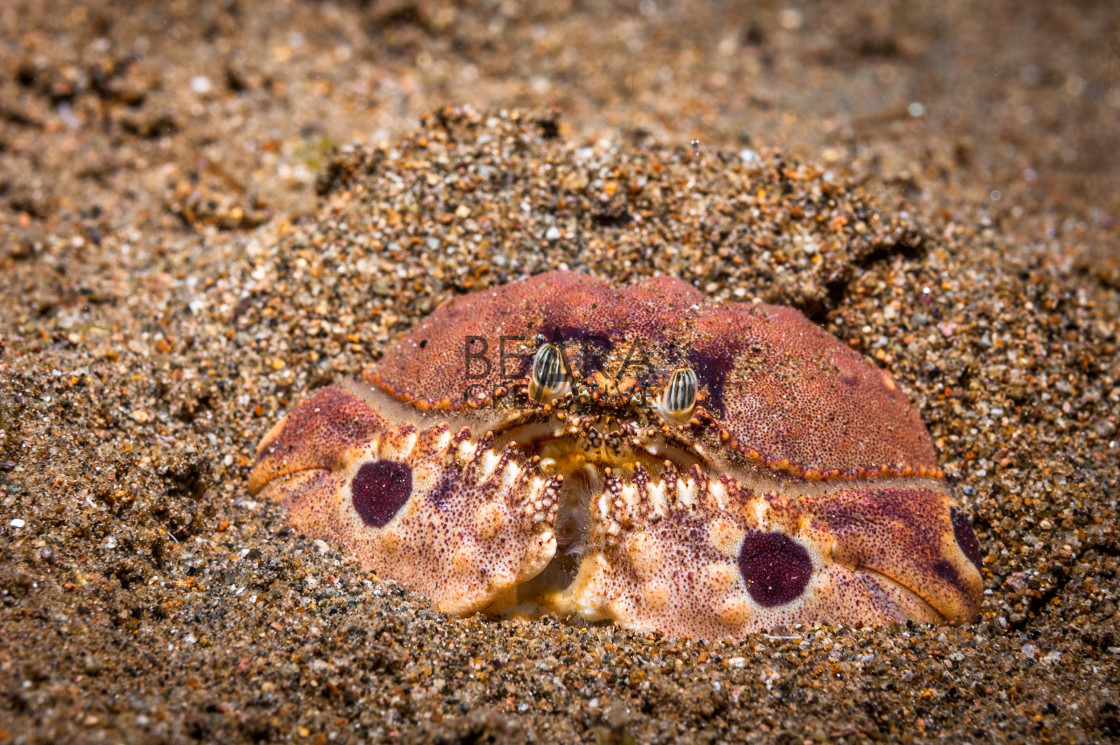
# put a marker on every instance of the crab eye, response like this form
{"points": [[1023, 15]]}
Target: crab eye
{"points": [[550, 379], [679, 397]]}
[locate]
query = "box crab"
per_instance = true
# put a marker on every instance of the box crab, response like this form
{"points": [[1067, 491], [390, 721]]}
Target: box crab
{"points": [[635, 454]]}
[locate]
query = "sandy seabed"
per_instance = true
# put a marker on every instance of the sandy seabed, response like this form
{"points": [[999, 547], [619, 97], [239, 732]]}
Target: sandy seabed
{"points": [[208, 210]]}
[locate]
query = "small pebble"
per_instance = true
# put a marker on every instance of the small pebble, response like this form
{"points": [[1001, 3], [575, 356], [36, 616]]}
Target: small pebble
{"points": [[90, 665]]}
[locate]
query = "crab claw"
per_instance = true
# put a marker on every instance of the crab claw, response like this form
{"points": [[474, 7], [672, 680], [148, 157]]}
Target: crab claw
{"points": [[443, 515], [911, 542], [315, 436], [688, 555]]}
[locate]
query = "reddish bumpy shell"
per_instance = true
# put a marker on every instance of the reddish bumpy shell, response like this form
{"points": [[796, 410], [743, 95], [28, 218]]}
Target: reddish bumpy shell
{"points": [[787, 392], [802, 488]]}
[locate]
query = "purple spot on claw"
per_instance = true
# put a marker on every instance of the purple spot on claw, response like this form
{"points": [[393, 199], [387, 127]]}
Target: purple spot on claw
{"points": [[775, 567], [380, 489], [966, 538], [945, 571]]}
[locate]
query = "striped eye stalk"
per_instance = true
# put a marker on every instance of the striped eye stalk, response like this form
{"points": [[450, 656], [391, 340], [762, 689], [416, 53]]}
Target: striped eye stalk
{"points": [[678, 400], [549, 380]]}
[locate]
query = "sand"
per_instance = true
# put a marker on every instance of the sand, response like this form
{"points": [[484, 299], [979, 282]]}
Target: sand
{"points": [[207, 212]]}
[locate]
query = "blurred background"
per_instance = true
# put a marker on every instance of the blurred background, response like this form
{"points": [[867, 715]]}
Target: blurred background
{"points": [[174, 114]]}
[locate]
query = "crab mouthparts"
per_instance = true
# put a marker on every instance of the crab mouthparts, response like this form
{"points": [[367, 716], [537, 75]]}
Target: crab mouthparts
{"points": [[586, 454]]}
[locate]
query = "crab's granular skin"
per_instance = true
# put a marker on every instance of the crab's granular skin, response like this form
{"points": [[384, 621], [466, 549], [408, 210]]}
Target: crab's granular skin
{"points": [[815, 494], [791, 398]]}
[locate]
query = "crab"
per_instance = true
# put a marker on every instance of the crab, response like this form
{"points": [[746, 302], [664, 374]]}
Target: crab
{"points": [[636, 455]]}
